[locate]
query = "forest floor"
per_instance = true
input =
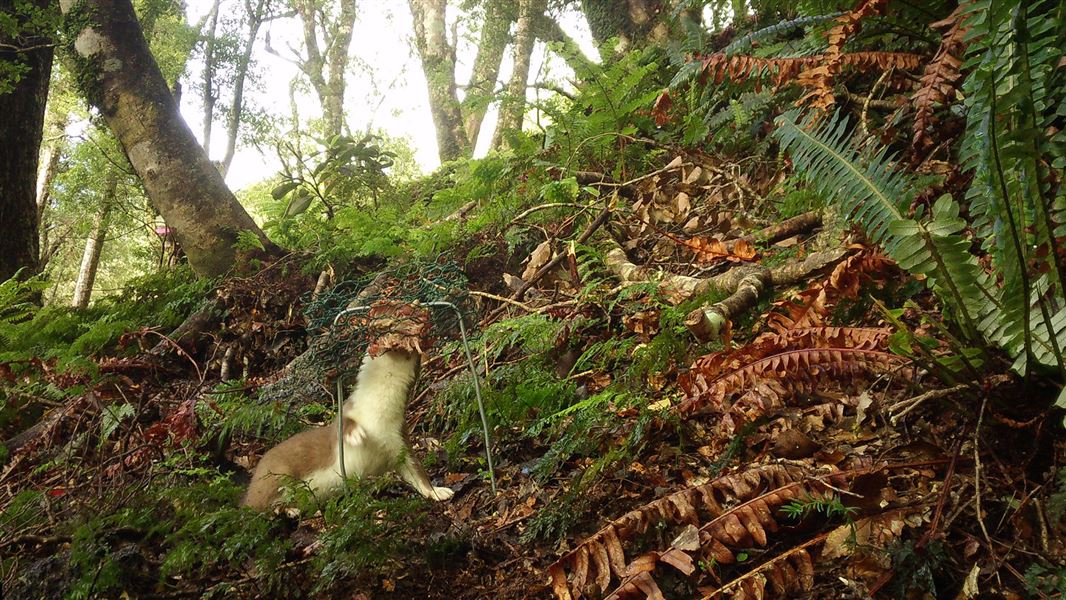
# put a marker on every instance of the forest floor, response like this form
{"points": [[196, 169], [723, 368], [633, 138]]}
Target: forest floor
{"points": [[798, 455]]}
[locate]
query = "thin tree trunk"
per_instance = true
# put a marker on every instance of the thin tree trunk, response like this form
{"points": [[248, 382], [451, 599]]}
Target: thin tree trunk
{"points": [[94, 244], [513, 104], [21, 127], [495, 33], [209, 96], [44, 191], [438, 65], [327, 69], [111, 57], [233, 119]]}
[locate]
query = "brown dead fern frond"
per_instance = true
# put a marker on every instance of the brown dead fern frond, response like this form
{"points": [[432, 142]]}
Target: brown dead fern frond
{"points": [[789, 574], [601, 558], [941, 76], [793, 368], [819, 78], [720, 67], [810, 307], [751, 523]]}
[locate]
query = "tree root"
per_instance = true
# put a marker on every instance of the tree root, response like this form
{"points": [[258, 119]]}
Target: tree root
{"points": [[744, 284]]}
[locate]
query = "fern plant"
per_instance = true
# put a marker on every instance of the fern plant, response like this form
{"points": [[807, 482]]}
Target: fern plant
{"points": [[867, 186]]}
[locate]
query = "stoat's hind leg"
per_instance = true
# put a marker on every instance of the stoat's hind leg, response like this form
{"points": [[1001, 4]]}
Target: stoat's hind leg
{"points": [[413, 473]]}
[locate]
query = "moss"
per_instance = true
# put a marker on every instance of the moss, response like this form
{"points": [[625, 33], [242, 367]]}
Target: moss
{"points": [[84, 69]]}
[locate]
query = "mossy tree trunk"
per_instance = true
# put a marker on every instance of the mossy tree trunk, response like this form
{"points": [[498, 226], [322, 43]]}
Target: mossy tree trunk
{"points": [[438, 64], [21, 127], [513, 104], [634, 23], [119, 76], [495, 33]]}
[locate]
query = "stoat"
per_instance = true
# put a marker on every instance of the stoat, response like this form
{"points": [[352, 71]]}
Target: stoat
{"points": [[374, 439]]}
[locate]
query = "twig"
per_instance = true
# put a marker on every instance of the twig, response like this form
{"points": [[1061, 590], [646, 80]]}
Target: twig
{"points": [[181, 350], [554, 262], [511, 301], [910, 404], [539, 207], [977, 474]]}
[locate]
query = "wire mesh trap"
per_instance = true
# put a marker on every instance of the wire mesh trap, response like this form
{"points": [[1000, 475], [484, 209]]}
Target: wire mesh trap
{"points": [[408, 307]]}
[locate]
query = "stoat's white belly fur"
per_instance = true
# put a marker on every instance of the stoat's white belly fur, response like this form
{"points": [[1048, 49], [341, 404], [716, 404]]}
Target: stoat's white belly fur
{"points": [[377, 407]]}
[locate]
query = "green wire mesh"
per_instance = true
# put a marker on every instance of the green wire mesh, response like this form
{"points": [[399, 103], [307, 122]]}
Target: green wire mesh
{"points": [[422, 282], [333, 351]]}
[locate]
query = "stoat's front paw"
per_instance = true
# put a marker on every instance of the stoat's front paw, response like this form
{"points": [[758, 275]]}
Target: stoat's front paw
{"points": [[441, 494], [355, 435]]}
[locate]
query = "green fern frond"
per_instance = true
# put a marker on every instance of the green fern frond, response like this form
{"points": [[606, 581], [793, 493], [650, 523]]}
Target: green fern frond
{"points": [[744, 43], [870, 189]]}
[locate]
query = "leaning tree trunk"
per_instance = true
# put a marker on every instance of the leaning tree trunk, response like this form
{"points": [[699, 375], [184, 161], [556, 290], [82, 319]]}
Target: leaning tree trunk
{"points": [[513, 104], [44, 190], [21, 127], [495, 33], [121, 78], [94, 244], [438, 64]]}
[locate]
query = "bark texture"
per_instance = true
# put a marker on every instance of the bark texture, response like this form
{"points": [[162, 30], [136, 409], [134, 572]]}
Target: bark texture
{"points": [[326, 67], [513, 104], [21, 126], [121, 78], [94, 244], [495, 33], [635, 23], [438, 64]]}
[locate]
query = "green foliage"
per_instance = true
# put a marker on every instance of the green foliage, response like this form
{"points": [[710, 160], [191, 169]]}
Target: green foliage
{"points": [[23, 24], [364, 531], [1046, 581], [792, 199], [210, 532], [27, 508], [612, 104], [235, 413], [830, 507], [915, 568], [869, 188], [1057, 500], [111, 417], [70, 337], [1014, 95], [406, 221], [345, 170], [744, 43]]}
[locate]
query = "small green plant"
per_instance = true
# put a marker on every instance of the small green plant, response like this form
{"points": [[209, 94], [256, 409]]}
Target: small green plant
{"points": [[915, 568], [1046, 581], [830, 507]]}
